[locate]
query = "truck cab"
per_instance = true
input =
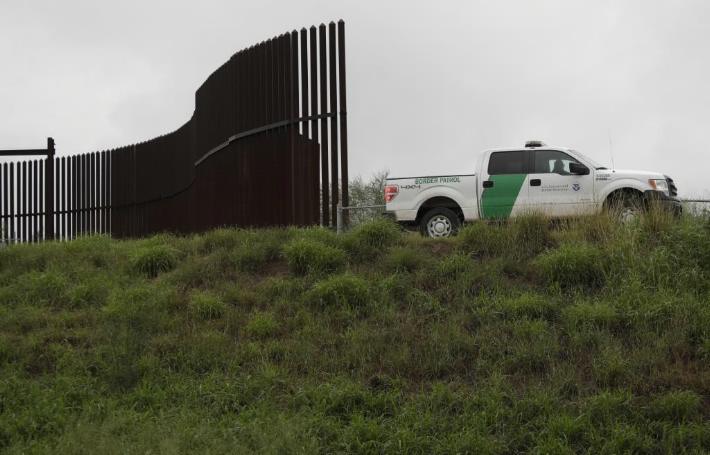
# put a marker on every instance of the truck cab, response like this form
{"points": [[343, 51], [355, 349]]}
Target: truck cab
{"points": [[553, 181]]}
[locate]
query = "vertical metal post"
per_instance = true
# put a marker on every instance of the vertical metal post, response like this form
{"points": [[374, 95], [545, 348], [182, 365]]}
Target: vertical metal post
{"points": [[339, 219], [334, 194], [345, 195], [327, 220], [5, 205], [13, 231], [49, 190]]}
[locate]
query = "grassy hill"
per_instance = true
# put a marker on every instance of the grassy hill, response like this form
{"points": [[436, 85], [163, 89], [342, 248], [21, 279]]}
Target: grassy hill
{"points": [[571, 337]]}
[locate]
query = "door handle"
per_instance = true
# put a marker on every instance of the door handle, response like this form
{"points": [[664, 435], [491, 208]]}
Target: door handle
{"points": [[535, 182], [488, 184]]}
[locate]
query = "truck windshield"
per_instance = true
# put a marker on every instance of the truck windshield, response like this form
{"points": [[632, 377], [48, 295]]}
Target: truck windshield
{"points": [[598, 166]]}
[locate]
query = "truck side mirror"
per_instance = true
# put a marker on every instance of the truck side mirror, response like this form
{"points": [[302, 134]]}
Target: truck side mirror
{"points": [[578, 169]]}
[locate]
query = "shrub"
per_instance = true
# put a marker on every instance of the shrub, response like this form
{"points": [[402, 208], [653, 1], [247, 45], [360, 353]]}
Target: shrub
{"points": [[676, 406], [151, 261], [207, 305], [221, 239], [307, 256], [196, 272], [484, 239], [584, 315], [345, 290], [89, 292], [403, 259], [449, 269], [608, 406], [572, 265], [370, 239], [261, 325], [48, 288], [251, 257], [611, 367], [531, 234], [532, 306]]}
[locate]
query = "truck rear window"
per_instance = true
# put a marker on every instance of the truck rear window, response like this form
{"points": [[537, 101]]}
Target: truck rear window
{"points": [[506, 163]]}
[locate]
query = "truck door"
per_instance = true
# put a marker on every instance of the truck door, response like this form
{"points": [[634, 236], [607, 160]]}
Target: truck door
{"points": [[503, 184], [556, 191]]}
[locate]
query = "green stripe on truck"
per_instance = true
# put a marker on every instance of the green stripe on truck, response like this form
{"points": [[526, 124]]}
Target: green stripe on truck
{"points": [[498, 201]]}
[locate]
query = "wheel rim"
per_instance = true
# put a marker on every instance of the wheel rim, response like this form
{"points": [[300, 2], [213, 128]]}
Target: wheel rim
{"points": [[628, 215], [439, 226]]}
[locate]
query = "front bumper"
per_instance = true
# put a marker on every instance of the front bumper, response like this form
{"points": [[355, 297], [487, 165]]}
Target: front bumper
{"points": [[660, 199]]}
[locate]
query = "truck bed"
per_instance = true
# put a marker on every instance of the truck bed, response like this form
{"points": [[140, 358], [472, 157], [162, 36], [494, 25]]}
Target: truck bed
{"points": [[414, 193]]}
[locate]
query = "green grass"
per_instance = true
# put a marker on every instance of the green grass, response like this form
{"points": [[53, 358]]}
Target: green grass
{"points": [[575, 336]]}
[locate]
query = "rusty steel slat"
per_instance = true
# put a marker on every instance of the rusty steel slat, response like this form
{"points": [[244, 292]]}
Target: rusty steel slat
{"points": [[49, 190], [13, 230], [293, 128], [342, 115], [23, 213], [35, 201], [30, 207], [63, 185], [104, 191], [42, 232], [333, 120], [79, 204], [260, 84], [89, 191], [327, 218], [268, 73], [92, 192], [74, 201], [84, 189], [323, 178], [5, 204], [109, 202], [303, 40]]}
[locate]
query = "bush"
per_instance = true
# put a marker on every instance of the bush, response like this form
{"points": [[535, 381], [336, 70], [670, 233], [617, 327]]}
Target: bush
{"points": [[207, 305], [676, 406], [92, 291], [451, 267], [404, 259], [531, 234], [572, 265], [531, 306], [151, 261], [307, 256], [371, 239], [251, 257], [48, 288], [483, 239], [339, 291], [585, 315], [223, 238], [261, 325]]}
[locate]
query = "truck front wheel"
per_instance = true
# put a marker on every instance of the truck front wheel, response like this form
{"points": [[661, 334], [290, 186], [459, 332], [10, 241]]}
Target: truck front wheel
{"points": [[439, 222]]}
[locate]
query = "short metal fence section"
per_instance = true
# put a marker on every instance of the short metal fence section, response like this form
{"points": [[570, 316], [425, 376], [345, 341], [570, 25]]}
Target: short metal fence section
{"points": [[266, 146]]}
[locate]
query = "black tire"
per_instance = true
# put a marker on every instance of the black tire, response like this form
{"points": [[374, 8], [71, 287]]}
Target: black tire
{"points": [[439, 222]]}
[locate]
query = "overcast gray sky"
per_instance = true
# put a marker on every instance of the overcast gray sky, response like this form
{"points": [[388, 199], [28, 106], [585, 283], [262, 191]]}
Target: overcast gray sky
{"points": [[430, 84]]}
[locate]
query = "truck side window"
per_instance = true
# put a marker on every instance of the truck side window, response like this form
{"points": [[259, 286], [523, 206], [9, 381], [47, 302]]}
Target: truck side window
{"points": [[552, 162], [506, 163]]}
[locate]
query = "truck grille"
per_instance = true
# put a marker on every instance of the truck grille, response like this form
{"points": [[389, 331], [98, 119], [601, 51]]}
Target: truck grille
{"points": [[672, 189]]}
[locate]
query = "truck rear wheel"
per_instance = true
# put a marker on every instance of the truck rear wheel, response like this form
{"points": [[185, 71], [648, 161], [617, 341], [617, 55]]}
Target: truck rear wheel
{"points": [[439, 222]]}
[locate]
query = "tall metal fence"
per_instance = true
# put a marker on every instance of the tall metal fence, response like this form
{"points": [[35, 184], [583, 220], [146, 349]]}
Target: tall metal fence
{"points": [[266, 145]]}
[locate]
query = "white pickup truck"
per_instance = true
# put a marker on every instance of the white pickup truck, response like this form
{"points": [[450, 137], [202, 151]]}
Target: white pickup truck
{"points": [[555, 181]]}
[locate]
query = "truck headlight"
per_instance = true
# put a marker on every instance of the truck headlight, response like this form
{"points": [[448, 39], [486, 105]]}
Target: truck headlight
{"points": [[659, 185]]}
